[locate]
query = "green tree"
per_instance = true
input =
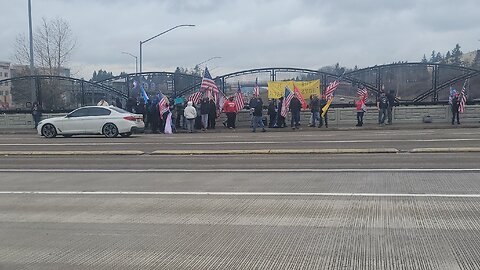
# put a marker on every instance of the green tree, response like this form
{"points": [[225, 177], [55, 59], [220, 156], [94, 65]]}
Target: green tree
{"points": [[424, 59], [447, 57], [439, 58], [457, 55], [433, 57]]}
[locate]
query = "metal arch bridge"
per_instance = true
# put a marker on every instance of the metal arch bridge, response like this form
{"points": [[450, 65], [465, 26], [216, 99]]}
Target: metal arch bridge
{"points": [[80, 85], [153, 73], [38, 79], [434, 68], [377, 76], [354, 77]]}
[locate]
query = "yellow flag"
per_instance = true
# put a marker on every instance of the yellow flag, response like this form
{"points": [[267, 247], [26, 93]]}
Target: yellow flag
{"points": [[306, 88], [325, 108]]}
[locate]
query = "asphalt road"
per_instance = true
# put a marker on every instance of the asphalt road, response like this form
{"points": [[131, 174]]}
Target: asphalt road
{"points": [[304, 211], [403, 140]]}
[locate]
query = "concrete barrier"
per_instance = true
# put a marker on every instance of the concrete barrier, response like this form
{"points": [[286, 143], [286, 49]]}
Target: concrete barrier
{"points": [[336, 116]]}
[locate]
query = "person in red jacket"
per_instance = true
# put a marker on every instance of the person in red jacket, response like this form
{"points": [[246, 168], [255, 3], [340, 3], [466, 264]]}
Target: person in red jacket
{"points": [[361, 108], [230, 109]]}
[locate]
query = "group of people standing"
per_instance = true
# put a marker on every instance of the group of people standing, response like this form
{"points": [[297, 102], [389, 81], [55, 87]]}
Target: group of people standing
{"points": [[207, 112], [203, 115], [385, 104], [277, 119]]}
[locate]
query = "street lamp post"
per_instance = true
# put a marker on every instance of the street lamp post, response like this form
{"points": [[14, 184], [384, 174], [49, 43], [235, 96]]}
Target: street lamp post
{"points": [[147, 40], [32, 71], [136, 61], [199, 65], [211, 58]]}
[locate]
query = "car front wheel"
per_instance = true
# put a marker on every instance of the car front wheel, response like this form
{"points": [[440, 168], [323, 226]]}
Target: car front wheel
{"points": [[110, 130], [49, 131]]}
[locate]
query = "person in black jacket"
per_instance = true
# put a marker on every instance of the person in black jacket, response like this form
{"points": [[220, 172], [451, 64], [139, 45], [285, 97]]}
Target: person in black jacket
{"points": [[204, 111], [382, 105], [212, 114], [280, 119], [155, 117], [36, 113], [272, 112], [295, 107], [391, 103], [315, 109], [455, 106], [258, 115]]}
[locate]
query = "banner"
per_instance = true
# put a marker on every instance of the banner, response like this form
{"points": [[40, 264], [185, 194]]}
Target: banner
{"points": [[307, 88]]}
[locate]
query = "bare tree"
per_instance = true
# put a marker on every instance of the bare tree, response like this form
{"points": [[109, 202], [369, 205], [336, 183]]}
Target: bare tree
{"points": [[53, 46]]}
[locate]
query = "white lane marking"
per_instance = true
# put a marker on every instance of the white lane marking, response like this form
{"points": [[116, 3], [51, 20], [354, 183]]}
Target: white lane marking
{"points": [[237, 170], [241, 142], [311, 194]]}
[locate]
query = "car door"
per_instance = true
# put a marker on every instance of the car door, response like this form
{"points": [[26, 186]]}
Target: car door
{"points": [[74, 122], [95, 120]]}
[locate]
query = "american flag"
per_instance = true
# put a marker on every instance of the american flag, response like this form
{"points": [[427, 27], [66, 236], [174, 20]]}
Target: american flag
{"points": [[256, 89], [300, 96], [163, 105], [453, 92], [463, 100], [330, 89], [220, 100], [208, 93], [362, 92], [238, 99], [286, 101], [195, 97], [208, 82]]}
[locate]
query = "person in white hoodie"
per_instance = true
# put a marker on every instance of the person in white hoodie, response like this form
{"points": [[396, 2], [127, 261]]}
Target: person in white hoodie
{"points": [[190, 114]]}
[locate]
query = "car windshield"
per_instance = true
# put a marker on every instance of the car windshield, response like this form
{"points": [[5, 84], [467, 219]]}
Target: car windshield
{"points": [[118, 110]]}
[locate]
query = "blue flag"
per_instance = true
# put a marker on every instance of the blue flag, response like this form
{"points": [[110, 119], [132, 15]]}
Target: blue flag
{"points": [[144, 94]]}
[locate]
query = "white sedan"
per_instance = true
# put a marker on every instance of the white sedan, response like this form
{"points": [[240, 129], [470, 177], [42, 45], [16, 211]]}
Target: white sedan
{"points": [[109, 121]]}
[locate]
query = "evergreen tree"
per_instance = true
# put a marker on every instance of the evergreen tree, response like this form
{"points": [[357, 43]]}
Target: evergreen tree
{"points": [[424, 59], [457, 55], [433, 57], [439, 58], [447, 57]]}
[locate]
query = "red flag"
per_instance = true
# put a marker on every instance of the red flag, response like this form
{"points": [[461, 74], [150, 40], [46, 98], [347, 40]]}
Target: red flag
{"points": [[300, 97]]}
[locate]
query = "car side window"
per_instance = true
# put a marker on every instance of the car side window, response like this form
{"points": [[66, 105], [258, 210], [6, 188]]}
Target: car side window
{"points": [[78, 113], [98, 112]]}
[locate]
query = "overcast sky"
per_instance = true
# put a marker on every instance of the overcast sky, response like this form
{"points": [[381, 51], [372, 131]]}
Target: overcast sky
{"points": [[249, 33]]}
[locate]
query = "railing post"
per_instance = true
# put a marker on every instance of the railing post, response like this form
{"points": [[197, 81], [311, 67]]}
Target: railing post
{"points": [[435, 74], [82, 89]]}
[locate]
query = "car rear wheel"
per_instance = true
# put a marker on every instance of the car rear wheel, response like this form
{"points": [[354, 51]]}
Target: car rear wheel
{"points": [[126, 134], [110, 130], [49, 131]]}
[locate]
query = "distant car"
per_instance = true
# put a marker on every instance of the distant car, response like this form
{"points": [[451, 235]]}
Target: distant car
{"points": [[109, 121]]}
